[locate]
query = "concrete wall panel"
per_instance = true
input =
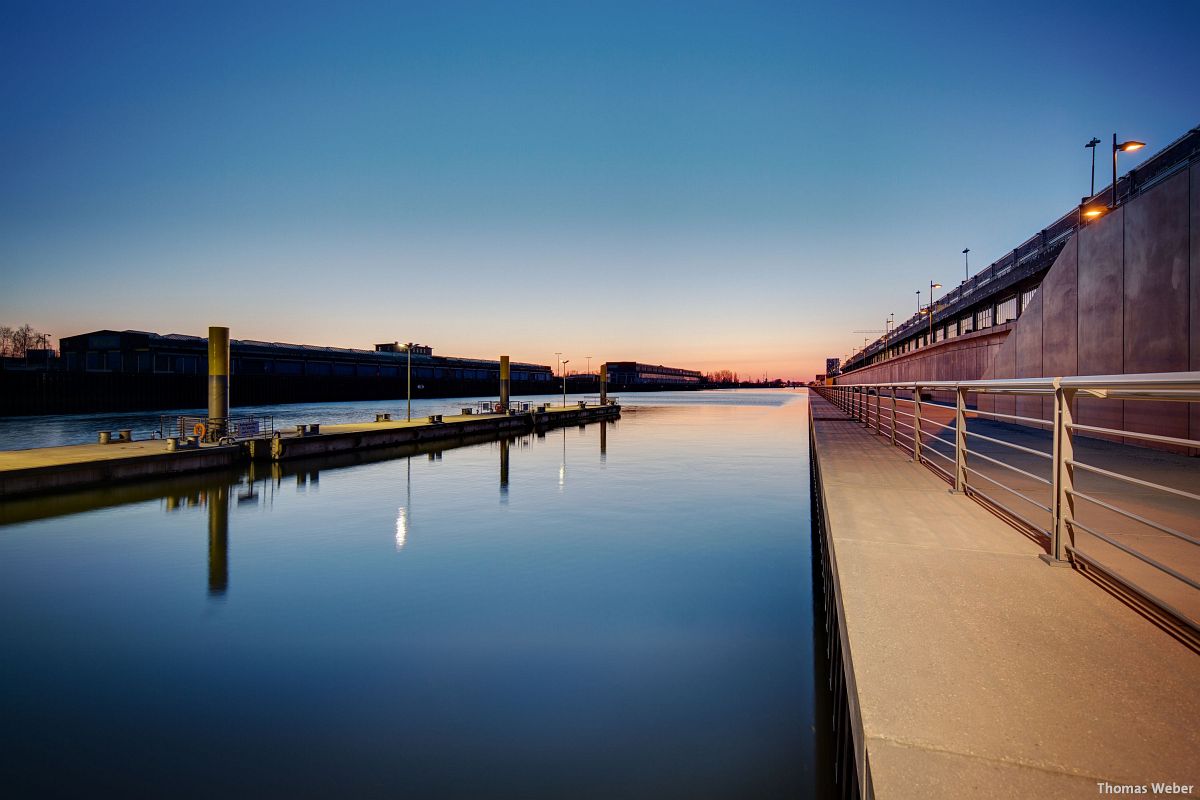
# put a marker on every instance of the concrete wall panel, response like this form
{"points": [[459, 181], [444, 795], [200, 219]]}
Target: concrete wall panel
{"points": [[1101, 312], [1156, 298], [1026, 344], [1059, 294], [1194, 291]]}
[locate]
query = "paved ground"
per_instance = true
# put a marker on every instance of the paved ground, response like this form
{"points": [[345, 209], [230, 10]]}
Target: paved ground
{"points": [[1007, 487], [980, 671]]}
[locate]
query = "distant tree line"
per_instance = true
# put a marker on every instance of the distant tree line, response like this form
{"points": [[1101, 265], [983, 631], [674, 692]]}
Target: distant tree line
{"points": [[16, 342], [722, 376]]}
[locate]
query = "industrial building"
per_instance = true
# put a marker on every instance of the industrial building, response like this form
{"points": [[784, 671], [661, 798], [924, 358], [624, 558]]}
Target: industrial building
{"points": [[179, 354], [632, 373], [112, 370]]}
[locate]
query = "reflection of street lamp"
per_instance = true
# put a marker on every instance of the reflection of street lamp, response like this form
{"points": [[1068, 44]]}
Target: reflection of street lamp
{"points": [[1123, 147]]}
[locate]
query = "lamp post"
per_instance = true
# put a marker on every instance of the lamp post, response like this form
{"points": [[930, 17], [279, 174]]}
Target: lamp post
{"points": [[1092, 146], [564, 374], [918, 301], [1123, 147], [408, 349], [589, 370], [966, 264], [931, 287]]}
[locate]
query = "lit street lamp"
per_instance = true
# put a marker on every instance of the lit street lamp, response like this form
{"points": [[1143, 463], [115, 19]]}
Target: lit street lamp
{"points": [[1123, 147], [564, 374]]}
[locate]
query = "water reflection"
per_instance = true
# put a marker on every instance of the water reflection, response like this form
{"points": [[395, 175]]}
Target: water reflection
{"points": [[402, 513], [562, 467], [218, 541], [334, 664], [504, 470]]}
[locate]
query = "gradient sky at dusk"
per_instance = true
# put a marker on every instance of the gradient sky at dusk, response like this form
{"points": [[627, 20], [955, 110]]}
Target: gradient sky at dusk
{"points": [[711, 185]]}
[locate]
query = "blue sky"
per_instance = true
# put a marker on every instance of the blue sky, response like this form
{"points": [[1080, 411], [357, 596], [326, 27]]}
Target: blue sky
{"points": [[715, 185]]}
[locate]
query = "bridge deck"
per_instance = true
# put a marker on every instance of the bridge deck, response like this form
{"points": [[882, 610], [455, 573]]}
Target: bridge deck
{"points": [[975, 669]]}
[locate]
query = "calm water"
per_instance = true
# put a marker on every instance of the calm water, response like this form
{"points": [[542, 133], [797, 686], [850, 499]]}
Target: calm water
{"points": [[608, 612]]}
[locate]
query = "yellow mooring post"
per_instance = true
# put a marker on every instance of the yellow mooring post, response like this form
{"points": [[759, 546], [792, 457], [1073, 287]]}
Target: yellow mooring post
{"points": [[505, 383], [218, 383], [604, 384]]}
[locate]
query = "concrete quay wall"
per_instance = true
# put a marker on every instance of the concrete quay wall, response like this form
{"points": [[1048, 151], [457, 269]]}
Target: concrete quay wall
{"points": [[56, 469]]}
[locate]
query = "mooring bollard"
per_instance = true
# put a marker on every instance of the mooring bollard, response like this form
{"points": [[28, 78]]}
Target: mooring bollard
{"points": [[105, 437], [172, 444]]}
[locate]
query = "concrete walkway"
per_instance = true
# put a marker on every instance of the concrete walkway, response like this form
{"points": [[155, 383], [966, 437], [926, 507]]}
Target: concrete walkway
{"points": [[977, 670]]}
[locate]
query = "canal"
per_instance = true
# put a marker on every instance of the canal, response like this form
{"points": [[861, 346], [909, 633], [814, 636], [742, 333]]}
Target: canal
{"points": [[618, 610]]}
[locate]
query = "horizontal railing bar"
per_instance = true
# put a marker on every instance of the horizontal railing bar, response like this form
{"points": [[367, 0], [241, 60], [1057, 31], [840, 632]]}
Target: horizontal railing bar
{"points": [[1011, 490], [1009, 444], [1037, 478], [936, 452], [1137, 517], [1140, 556], [936, 468], [1149, 437], [942, 425], [1033, 420], [931, 404], [1017, 514], [1136, 481]]}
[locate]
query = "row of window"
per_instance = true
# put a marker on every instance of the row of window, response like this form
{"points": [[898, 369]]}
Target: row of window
{"points": [[1002, 312], [116, 361]]}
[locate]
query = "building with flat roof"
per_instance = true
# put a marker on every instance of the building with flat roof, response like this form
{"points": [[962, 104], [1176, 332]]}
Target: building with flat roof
{"points": [[141, 352], [633, 373]]}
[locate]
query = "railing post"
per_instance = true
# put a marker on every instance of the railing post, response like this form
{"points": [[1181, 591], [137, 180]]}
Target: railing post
{"points": [[892, 427], [878, 412], [960, 441], [916, 423], [1063, 478]]}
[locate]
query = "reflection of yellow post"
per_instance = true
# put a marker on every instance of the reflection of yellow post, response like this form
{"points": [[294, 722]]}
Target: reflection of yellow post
{"points": [[505, 383], [603, 439], [218, 540], [604, 384], [504, 466]]}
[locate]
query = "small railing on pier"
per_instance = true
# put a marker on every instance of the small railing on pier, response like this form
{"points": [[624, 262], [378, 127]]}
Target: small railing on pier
{"points": [[1092, 493], [215, 429]]}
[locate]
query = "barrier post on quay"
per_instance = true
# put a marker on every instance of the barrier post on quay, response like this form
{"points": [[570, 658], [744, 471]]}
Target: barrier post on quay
{"points": [[218, 382], [1063, 478], [604, 384], [960, 440], [505, 383]]}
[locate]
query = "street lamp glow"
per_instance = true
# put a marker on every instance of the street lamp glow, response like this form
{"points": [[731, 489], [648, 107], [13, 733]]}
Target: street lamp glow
{"points": [[1123, 147], [1092, 213]]}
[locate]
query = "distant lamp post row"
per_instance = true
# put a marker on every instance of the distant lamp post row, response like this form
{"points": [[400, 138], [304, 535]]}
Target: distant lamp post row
{"points": [[932, 286]]}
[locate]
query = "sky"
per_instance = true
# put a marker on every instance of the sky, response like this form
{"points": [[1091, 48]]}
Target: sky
{"points": [[732, 185]]}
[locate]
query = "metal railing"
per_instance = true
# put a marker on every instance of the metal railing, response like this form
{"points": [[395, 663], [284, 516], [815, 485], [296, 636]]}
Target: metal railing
{"points": [[1037, 482], [215, 429]]}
